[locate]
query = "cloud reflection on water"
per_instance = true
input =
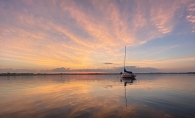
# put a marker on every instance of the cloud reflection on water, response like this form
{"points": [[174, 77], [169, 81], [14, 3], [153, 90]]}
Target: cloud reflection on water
{"points": [[95, 96]]}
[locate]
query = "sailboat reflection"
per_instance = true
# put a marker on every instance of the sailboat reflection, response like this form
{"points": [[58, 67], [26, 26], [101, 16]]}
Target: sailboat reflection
{"points": [[127, 81]]}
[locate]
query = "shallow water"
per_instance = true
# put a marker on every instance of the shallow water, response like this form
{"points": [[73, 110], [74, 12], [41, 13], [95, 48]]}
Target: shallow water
{"points": [[150, 95]]}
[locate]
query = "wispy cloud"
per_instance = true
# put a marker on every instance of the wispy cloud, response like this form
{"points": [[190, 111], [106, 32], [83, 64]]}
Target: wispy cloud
{"points": [[164, 63], [83, 34], [161, 49], [191, 15]]}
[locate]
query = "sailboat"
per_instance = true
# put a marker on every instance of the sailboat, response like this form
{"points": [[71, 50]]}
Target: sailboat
{"points": [[127, 74]]}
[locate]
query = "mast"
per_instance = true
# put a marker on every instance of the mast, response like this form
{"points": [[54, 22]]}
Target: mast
{"points": [[125, 57]]}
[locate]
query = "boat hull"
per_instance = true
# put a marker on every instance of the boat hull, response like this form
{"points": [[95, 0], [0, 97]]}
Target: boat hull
{"points": [[128, 75]]}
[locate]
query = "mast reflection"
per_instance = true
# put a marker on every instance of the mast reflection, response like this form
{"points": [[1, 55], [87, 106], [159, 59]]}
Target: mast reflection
{"points": [[127, 81]]}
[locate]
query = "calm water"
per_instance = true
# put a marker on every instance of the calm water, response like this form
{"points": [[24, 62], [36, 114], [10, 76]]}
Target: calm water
{"points": [[170, 96]]}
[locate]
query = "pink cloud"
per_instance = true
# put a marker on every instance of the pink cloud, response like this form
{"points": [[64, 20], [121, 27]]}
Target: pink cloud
{"points": [[70, 33]]}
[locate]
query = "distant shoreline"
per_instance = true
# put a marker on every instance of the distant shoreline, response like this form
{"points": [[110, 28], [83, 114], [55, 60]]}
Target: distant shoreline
{"points": [[81, 73]]}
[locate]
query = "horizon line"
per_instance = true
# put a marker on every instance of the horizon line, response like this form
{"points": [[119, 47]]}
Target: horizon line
{"points": [[88, 73]]}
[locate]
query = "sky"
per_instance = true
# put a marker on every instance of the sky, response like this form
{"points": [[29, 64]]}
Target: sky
{"points": [[92, 34]]}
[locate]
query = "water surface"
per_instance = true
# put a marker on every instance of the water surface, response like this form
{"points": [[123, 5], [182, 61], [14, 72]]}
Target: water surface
{"points": [[150, 95]]}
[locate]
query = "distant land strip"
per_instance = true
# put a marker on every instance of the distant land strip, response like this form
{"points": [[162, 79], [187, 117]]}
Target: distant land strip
{"points": [[99, 73]]}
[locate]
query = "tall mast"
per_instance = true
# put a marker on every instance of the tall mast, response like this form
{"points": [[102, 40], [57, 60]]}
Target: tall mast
{"points": [[125, 57]]}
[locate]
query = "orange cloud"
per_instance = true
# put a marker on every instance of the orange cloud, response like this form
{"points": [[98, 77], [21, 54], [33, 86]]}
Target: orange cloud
{"points": [[71, 34]]}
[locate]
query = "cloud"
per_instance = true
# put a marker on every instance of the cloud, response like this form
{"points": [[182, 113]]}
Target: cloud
{"points": [[191, 15], [108, 63], [161, 49], [10, 70], [63, 69], [82, 34], [173, 65]]}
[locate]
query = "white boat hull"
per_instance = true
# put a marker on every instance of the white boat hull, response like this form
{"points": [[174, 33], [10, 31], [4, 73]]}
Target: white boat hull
{"points": [[127, 75]]}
